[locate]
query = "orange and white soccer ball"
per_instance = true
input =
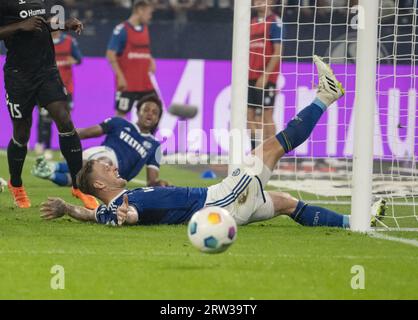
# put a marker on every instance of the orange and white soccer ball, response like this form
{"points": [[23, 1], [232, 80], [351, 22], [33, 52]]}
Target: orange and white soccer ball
{"points": [[212, 230]]}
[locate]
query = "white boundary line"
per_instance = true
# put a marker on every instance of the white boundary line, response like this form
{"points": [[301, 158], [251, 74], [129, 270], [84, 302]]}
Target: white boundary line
{"points": [[378, 235]]}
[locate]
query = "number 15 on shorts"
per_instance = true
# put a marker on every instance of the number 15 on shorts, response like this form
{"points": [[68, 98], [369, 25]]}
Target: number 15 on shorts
{"points": [[15, 113]]}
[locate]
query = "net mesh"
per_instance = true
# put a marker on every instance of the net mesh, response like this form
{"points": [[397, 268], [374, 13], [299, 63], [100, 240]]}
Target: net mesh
{"points": [[320, 170]]}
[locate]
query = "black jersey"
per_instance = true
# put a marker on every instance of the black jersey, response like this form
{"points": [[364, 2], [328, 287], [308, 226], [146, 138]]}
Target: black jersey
{"points": [[27, 52]]}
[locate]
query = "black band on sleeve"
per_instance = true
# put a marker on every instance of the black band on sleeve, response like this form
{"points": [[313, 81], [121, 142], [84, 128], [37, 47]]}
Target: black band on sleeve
{"points": [[105, 126]]}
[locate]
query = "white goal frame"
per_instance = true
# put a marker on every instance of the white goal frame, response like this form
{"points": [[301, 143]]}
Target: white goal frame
{"points": [[365, 100]]}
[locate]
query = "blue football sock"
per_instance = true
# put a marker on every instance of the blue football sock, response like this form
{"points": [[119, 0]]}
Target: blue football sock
{"points": [[312, 216], [61, 179], [300, 128], [62, 167]]}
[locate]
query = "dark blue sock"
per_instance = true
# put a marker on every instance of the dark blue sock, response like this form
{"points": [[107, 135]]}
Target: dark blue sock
{"points": [[300, 128], [311, 216], [61, 179], [62, 167]]}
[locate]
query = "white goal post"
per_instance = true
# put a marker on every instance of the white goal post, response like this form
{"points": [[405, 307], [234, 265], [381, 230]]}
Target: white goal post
{"points": [[364, 110], [240, 70]]}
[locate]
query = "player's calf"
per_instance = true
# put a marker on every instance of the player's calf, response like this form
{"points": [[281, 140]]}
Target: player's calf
{"points": [[16, 155], [284, 203]]}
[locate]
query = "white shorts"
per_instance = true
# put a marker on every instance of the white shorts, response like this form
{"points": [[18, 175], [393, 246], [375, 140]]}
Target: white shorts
{"points": [[97, 153], [242, 194]]}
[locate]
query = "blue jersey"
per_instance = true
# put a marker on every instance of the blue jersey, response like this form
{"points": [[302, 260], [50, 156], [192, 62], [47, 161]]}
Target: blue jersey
{"points": [[133, 149], [169, 205]]}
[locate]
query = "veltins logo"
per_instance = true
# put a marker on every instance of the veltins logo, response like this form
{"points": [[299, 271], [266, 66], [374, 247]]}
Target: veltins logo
{"points": [[31, 13]]}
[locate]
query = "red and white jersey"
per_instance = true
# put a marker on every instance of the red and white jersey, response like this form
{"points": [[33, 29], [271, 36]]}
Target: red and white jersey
{"points": [[132, 44], [264, 34], [65, 48]]}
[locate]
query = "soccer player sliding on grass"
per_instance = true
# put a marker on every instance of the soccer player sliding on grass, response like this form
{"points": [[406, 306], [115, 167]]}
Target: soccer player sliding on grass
{"points": [[128, 146], [241, 193]]}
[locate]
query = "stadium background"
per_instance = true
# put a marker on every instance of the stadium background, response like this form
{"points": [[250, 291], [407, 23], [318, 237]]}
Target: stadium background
{"points": [[193, 48]]}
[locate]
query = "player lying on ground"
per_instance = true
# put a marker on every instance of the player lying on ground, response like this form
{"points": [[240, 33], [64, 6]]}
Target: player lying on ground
{"points": [[128, 146], [241, 193], [32, 78]]}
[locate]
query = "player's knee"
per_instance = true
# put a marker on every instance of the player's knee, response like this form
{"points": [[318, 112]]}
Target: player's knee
{"points": [[62, 117], [65, 125], [284, 203], [21, 135], [21, 139]]}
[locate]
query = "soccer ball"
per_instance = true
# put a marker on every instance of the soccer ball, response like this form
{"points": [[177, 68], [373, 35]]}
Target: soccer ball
{"points": [[212, 230]]}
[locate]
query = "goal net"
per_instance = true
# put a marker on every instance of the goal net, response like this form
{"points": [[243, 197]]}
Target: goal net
{"points": [[321, 169]]}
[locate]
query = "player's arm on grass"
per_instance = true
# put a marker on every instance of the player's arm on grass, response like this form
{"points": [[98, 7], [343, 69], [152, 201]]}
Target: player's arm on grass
{"points": [[153, 169], [126, 214], [55, 208], [153, 179]]}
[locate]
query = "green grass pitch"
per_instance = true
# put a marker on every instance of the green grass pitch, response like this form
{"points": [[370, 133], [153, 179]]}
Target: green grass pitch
{"points": [[272, 260]]}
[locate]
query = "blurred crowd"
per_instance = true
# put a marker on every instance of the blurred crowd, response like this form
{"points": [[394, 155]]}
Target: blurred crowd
{"points": [[204, 10], [164, 4]]}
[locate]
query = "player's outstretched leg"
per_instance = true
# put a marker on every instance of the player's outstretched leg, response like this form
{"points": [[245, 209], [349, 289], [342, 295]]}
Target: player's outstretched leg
{"points": [[308, 215], [279, 203], [300, 128], [57, 172]]}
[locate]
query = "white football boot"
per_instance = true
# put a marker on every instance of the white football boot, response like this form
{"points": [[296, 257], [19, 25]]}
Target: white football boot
{"points": [[378, 212], [329, 88]]}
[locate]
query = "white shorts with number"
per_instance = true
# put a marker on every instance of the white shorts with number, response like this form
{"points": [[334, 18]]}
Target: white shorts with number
{"points": [[243, 195], [98, 153]]}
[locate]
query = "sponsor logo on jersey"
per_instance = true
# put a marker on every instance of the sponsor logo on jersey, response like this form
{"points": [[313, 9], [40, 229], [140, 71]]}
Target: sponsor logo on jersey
{"points": [[147, 145], [127, 138], [257, 44], [31, 13], [136, 55]]}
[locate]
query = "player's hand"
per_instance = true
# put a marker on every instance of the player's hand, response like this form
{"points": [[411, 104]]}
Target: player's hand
{"points": [[75, 25], [122, 83], [122, 211], [53, 208], [71, 61], [160, 183], [32, 24]]}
